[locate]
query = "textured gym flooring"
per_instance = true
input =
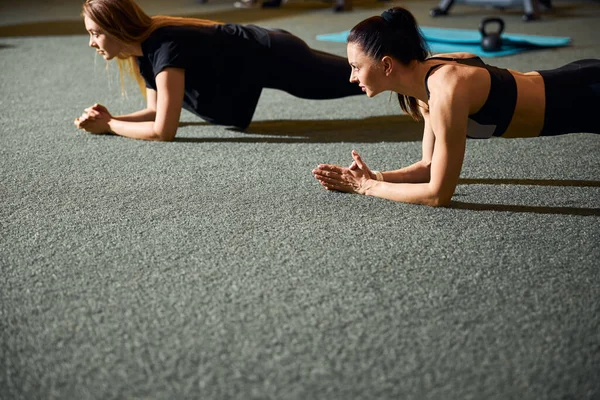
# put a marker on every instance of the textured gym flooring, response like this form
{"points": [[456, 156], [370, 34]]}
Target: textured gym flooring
{"points": [[216, 267]]}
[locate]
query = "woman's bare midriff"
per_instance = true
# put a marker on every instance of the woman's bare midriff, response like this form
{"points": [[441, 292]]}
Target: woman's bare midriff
{"points": [[528, 119]]}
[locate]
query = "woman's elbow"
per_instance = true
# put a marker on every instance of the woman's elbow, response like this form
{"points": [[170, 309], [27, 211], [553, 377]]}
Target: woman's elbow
{"points": [[164, 135], [439, 202], [439, 197]]}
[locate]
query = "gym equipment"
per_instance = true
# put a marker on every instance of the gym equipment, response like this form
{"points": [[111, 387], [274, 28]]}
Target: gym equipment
{"points": [[491, 41], [445, 40], [530, 7]]}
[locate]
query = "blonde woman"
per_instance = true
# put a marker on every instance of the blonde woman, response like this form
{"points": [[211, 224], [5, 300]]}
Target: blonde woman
{"points": [[216, 71]]}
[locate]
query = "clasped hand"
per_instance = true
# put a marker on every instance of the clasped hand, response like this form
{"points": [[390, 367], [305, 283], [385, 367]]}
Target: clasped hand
{"points": [[354, 179], [94, 119]]}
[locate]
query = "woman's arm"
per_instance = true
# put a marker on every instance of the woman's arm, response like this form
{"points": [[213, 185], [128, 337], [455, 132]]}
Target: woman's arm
{"points": [[99, 111], [449, 105], [418, 172], [147, 114], [167, 101]]}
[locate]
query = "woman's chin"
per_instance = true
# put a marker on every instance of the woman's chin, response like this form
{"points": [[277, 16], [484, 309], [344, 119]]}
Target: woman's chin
{"points": [[372, 93], [107, 57]]}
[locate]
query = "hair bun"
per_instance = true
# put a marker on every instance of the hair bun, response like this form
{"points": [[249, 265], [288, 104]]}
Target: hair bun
{"points": [[387, 17], [395, 15]]}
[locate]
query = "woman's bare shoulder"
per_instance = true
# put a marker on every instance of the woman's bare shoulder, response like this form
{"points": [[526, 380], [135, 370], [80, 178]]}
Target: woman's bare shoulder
{"points": [[450, 73], [445, 74], [453, 79]]}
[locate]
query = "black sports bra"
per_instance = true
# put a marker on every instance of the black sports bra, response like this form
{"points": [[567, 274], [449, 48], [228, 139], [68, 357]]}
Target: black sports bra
{"points": [[496, 113]]}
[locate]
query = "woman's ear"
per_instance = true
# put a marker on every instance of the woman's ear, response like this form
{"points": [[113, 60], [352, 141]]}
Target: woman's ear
{"points": [[388, 65]]}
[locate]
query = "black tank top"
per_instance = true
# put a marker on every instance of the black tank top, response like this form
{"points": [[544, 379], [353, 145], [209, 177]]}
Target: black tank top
{"points": [[496, 113]]}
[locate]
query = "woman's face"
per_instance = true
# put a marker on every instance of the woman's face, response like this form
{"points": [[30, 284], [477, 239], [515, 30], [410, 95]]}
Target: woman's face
{"points": [[366, 72], [104, 44]]}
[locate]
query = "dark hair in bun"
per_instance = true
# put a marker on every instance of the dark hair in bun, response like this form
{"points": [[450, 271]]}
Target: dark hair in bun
{"points": [[395, 33]]}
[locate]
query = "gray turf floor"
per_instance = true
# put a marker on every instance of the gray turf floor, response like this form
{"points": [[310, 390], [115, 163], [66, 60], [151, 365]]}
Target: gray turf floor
{"points": [[215, 267]]}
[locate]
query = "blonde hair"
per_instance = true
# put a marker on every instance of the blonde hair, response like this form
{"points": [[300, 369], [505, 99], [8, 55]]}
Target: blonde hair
{"points": [[126, 22]]}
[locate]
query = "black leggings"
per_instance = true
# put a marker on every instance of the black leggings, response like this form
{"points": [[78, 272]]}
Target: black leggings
{"points": [[294, 67], [288, 65], [572, 98]]}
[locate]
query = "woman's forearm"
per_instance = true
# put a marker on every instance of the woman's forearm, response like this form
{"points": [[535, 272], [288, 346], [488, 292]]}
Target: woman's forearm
{"points": [[415, 193], [138, 130], [418, 172], [146, 114]]}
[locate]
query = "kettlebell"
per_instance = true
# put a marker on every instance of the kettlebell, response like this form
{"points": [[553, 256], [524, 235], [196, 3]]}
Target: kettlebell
{"points": [[491, 41]]}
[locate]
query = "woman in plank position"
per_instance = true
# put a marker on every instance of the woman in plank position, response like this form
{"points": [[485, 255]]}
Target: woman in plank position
{"points": [[457, 96], [216, 71]]}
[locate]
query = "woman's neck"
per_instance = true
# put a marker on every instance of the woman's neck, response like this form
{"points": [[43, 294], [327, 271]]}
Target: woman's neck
{"points": [[136, 49], [409, 80]]}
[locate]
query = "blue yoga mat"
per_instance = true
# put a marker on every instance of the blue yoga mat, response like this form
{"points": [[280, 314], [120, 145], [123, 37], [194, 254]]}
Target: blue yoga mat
{"points": [[444, 40]]}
